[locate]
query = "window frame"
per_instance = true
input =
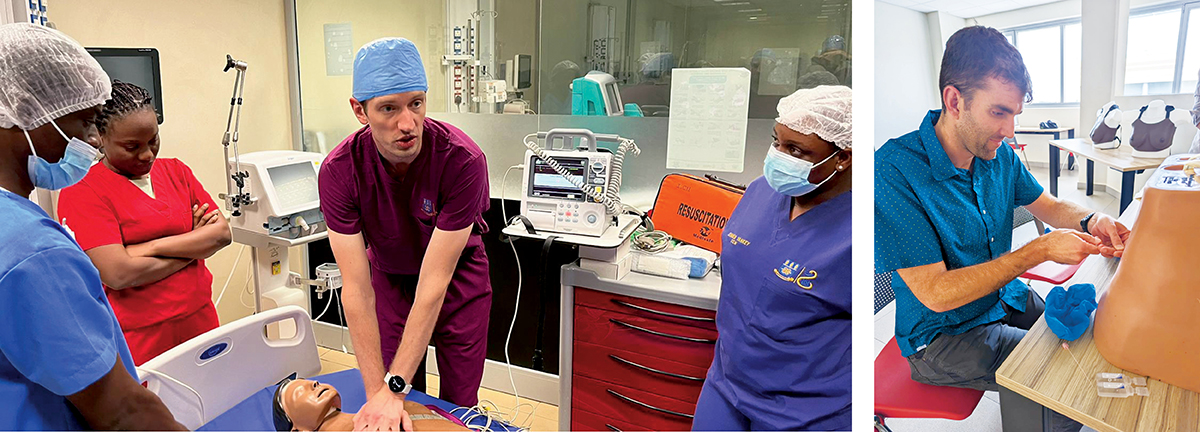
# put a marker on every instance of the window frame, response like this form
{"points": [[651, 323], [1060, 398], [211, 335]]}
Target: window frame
{"points": [[1011, 34], [1185, 9]]}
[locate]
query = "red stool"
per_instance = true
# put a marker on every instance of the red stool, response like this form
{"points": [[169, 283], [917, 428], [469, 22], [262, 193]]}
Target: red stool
{"points": [[898, 396]]}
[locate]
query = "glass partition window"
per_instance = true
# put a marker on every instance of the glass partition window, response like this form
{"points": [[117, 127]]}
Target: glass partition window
{"points": [[786, 45]]}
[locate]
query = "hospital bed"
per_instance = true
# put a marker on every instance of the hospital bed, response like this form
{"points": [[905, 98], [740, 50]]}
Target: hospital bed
{"points": [[225, 379]]}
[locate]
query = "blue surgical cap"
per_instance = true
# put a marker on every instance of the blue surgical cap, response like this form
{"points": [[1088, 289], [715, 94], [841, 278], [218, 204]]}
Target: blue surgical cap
{"points": [[388, 66]]}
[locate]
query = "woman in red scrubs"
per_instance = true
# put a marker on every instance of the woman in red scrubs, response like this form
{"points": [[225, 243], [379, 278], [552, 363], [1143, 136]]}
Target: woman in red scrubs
{"points": [[147, 226]]}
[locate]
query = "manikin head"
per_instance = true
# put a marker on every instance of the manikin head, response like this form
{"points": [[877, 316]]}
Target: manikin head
{"points": [[304, 405]]}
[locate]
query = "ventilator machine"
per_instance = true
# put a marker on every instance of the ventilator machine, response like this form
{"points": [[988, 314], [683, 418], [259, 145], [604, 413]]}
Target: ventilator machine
{"points": [[274, 204]]}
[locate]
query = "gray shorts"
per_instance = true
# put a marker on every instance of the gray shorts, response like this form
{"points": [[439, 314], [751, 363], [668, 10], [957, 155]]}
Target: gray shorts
{"points": [[971, 359]]}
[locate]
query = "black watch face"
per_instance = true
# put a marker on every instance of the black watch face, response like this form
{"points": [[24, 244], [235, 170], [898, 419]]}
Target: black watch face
{"points": [[396, 384]]}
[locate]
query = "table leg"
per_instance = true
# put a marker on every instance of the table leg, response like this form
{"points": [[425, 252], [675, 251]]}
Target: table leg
{"points": [[1017, 413], [1126, 189], [1091, 175], [1054, 170]]}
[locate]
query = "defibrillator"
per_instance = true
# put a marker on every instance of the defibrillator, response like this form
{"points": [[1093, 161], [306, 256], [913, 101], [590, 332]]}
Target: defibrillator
{"points": [[573, 187]]}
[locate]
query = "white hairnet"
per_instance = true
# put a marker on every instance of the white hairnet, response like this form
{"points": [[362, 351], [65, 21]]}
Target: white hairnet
{"points": [[824, 111], [45, 75]]}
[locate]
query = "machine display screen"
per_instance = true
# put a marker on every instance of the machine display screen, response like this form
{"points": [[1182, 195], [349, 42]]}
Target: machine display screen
{"points": [[547, 183], [295, 185]]}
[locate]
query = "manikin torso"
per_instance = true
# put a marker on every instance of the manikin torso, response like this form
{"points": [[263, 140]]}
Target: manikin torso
{"points": [[1147, 319], [1152, 134]]}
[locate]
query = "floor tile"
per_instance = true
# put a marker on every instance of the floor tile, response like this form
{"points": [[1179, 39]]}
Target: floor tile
{"points": [[328, 367], [546, 411], [341, 358]]}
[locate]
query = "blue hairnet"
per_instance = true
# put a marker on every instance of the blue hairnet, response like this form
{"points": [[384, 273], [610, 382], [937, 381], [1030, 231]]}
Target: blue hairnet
{"points": [[1069, 312], [388, 66]]}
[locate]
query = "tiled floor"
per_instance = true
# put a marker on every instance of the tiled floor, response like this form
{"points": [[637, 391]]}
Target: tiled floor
{"points": [[536, 416], [986, 417]]}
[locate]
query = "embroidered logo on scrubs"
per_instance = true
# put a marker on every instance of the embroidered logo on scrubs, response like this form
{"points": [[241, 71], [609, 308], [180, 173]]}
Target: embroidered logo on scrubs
{"points": [[792, 272], [427, 206], [735, 240]]}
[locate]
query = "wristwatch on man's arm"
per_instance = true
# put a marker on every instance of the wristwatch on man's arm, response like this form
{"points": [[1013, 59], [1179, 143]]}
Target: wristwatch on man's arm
{"points": [[396, 384], [1084, 223]]}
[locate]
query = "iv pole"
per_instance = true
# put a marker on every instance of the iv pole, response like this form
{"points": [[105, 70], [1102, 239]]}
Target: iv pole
{"points": [[235, 201]]}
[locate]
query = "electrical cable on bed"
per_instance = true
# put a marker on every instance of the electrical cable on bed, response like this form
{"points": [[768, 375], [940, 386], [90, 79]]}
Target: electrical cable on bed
{"points": [[488, 411]]}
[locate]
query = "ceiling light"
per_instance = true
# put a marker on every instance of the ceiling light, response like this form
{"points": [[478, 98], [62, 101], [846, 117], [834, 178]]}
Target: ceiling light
{"points": [[750, 10], [741, 3]]}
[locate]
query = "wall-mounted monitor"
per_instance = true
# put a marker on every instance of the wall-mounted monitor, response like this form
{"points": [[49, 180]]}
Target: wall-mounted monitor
{"points": [[137, 66]]}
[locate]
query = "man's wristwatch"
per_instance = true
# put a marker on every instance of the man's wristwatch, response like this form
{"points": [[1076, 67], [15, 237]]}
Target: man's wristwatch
{"points": [[1084, 223], [396, 384]]}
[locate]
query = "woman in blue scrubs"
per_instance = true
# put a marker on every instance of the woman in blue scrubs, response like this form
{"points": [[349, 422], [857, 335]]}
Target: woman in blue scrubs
{"points": [[783, 356]]}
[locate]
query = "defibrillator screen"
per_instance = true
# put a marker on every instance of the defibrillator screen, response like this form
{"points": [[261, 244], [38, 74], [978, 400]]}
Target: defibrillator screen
{"points": [[548, 183]]}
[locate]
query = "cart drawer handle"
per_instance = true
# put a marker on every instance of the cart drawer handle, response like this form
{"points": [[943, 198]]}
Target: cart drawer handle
{"points": [[666, 335], [612, 428], [646, 405], [658, 312], [649, 369]]}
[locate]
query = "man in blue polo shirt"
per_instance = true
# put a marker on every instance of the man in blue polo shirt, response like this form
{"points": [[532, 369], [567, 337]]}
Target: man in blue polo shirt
{"points": [[944, 200]]}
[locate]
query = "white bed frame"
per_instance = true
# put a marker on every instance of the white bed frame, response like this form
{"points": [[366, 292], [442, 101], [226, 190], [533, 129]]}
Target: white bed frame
{"points": [[211, 373]]}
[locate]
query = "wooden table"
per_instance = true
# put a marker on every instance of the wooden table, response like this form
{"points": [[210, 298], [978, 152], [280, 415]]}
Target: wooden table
{"points": [[1039, 376], [1120, 159], [1056, 132]]}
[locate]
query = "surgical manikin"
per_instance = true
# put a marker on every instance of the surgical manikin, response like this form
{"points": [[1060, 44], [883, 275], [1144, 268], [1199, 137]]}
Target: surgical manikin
{"points": [[1148, 318], [306, 405]]}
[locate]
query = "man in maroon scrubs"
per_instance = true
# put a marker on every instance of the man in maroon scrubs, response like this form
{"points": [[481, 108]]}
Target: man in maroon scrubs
{"points": [[404, 199]]}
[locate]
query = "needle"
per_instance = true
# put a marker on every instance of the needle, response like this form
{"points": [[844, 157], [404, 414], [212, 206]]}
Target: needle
{"points": [[1065, 347]]}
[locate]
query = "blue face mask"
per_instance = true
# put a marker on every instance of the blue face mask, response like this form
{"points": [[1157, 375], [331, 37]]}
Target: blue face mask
{"points": [[789, 175], [67, 171]]}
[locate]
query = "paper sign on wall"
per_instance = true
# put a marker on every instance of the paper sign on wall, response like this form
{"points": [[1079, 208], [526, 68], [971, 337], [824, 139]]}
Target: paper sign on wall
{"points": [[339, 49], [707, 127]]}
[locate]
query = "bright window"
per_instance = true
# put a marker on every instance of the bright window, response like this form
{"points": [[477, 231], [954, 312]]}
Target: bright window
{"points": [[1052, 55], [1150, 56]]}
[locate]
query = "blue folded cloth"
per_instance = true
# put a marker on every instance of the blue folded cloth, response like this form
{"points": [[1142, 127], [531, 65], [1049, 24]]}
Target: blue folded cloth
{"points": [[1069, 312]]}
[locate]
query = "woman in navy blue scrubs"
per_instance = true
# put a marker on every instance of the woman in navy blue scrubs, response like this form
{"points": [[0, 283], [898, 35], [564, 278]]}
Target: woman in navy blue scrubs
{"points": [[783, 356]]}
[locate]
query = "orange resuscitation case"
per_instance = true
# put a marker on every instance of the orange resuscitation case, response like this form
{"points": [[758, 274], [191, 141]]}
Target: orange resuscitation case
{"points": [[694, 210]]}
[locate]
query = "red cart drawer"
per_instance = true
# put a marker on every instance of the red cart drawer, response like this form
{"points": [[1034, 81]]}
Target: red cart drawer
{"points": [[685, 315], [630, 406], [652, 374], [683, 344], [582, 420]]}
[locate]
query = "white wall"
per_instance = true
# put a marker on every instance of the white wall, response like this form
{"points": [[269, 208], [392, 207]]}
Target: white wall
{"points": [[192, 39], [941, 26], [905, 79]]}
